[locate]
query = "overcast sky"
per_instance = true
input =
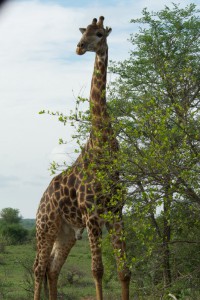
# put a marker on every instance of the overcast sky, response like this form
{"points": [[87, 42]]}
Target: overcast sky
{"points": [[39, 69]]}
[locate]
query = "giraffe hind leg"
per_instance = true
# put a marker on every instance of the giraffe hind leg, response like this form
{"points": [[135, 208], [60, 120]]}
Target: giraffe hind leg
{"points": [[65, 240], [40, 265]]}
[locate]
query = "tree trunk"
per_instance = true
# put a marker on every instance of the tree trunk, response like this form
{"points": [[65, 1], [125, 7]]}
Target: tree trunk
{"points": [[166, 238]]}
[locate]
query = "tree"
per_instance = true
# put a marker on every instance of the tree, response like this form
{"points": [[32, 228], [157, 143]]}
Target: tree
{"points": [[10, 215], [155, 103], [11, 231]]}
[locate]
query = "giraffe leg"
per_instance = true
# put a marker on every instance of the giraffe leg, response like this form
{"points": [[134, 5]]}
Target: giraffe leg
{"points": [[95, 236], [115, 228], [65, 240], [40, 265], [38, 278]]}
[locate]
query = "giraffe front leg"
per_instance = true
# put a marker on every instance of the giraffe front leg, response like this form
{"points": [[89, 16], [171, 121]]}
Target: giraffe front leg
{"points": [[115, 228], [95, 237]]}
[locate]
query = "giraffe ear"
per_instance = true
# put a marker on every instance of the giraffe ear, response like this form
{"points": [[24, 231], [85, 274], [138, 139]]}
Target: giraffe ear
{"points": [[108, 31], [82, 30]]}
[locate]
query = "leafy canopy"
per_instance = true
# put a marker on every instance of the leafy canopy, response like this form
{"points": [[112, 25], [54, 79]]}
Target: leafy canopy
{"points": [[10, 215]]}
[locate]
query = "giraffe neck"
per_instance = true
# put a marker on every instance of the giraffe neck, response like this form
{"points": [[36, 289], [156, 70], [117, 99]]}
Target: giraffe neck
{"points": [[100, 119]]}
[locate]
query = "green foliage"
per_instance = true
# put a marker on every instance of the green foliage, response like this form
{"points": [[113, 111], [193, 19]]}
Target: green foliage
{"points": [[14, 234], [110, 270], [11, 230], [158, 126], [10, 215]]}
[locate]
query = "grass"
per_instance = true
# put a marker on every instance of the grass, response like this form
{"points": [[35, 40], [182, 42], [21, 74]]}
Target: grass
{"points": [[75, 281], [12, 271]]}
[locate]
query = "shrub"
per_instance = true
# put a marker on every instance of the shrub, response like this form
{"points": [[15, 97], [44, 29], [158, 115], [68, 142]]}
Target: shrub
{"points": [[14, 234]]}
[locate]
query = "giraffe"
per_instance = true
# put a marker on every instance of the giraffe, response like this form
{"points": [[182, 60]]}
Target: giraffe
{"points": [[75, 199]]}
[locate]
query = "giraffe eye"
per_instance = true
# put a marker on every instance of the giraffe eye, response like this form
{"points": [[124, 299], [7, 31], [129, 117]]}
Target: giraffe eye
{"points": [[99, 34]]}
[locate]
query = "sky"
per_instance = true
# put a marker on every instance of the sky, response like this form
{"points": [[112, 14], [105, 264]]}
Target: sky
{"points": [[39, 70]]}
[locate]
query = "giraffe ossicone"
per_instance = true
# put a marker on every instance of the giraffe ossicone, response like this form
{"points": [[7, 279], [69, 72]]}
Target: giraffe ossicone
{"points": [[76, 199]]}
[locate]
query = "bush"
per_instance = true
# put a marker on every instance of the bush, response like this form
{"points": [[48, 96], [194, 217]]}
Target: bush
{"points": [[2, 247], [14, 234]]}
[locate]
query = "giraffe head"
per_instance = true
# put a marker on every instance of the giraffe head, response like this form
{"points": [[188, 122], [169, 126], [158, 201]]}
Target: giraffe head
{"points": [[93, 38]]}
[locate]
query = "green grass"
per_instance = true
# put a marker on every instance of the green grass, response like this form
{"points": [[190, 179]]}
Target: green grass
{"points": [[12, 271], [75, 281]]}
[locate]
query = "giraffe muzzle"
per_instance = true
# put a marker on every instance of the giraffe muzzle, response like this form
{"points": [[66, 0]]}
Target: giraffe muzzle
{"points": [[81, 49]]}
